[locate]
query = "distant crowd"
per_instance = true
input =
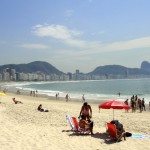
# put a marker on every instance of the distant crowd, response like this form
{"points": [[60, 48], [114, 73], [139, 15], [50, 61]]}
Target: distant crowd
{"points": [[136, 103]]}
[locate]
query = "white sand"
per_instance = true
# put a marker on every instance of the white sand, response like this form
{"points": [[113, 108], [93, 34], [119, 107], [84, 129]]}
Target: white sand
{"points": [[24, 128]]}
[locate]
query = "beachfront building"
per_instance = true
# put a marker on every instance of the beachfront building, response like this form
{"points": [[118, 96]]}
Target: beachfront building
{"points": [[6, 76], [1, 78], [12, 75]]}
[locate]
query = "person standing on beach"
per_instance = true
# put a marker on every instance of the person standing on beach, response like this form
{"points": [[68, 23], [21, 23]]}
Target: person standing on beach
{"points": [[143, 105], [83, 98], [126, 102], [140, 104], [86, 111], [56, 95], [36, 93], [67, 97]]}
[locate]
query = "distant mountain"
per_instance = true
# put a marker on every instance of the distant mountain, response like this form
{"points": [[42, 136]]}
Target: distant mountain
{"points": [[36, 66], [113, 70], [109, 69], [121, 70], [145, 65]]}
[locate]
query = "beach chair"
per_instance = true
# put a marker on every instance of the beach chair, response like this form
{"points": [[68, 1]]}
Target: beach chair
{"points": [[114, 134], [81, 130], [73, 122], [69, 120], [112, 131]]}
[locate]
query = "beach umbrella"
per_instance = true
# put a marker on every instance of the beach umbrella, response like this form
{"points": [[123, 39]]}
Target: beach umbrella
{"points": [[113, 104]]}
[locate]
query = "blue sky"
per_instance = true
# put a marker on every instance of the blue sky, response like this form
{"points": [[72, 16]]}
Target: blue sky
{"points": [[75, 34]]}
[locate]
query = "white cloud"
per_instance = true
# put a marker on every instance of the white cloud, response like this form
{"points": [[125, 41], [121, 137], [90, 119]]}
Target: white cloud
{"points": [[143, 42], [55, 31], [59, 32], [34, 46], [68, 37]]}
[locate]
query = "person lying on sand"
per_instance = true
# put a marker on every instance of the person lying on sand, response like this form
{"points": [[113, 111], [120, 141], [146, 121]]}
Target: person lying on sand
{"points": [[41, 109], [15, 101]]}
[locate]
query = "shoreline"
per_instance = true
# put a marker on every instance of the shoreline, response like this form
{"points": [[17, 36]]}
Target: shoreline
{"points": [[13, 90], [45, 97]]}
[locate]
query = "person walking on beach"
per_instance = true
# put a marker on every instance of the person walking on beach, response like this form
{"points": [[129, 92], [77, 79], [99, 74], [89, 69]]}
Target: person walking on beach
{"points": [[83, 98], [67, 97], [126, 102], [132, 104], [86, 111], [140, 104], [36, 93], [143, 105]]}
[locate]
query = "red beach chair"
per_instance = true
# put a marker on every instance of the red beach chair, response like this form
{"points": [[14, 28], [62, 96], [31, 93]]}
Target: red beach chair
{"points": [[111, 129]]}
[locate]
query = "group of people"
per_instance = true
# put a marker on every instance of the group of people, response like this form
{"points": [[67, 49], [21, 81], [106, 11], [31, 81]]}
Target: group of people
{"points": [[136, 103], [85, 121], [85, 117], [34, 93]]}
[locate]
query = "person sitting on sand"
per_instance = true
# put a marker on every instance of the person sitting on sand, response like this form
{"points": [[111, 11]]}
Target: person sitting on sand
{"points": [[15, 101], [42, 109], [120, 130], [86, 125], [86, 111]]}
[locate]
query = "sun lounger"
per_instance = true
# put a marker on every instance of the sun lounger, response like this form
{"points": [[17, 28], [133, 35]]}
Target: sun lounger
{"points": [[73, 122], [112, 131]]}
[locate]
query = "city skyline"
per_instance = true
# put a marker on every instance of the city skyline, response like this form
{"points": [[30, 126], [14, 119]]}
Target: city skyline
{"points": [[77, 34]]}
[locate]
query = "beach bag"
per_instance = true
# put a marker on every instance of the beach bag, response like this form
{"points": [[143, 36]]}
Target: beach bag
{"points": [[128, 134]]}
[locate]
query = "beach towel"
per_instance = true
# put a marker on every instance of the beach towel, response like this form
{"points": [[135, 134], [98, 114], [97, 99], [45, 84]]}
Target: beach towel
{"points": [[139, 136]]}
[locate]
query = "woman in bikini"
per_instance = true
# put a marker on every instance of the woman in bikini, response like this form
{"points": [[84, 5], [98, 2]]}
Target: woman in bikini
{"points": [[86, 111]]}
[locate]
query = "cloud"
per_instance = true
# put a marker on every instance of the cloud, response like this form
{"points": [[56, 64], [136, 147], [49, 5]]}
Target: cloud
{"points": [[34, 46], [69, 37], [59, 32], [143, 42], [55, 31]]}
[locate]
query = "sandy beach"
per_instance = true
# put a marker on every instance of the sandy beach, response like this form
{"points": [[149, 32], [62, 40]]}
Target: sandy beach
{"points": [[24, 128]]}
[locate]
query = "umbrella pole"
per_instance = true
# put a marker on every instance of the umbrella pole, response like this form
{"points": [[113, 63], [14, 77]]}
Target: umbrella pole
{"points": [[113, 114]]}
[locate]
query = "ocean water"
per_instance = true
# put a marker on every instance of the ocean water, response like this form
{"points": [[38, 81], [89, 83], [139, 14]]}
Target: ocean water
{"points": [[93, 90]]}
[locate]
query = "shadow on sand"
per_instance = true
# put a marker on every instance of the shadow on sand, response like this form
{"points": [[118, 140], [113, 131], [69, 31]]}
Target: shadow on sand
{"points": [[103, 136]]}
